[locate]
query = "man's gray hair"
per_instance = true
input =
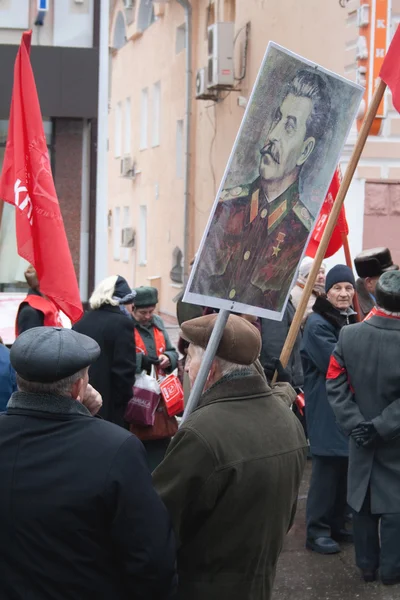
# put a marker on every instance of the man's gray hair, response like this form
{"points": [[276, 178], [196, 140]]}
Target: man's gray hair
{"points": [[225, 366], [56, 388]]}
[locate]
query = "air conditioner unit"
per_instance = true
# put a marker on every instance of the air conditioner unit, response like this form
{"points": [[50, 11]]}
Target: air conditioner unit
{"points": [[220, 55], [128, 167], [128, 237], [202, 90]]}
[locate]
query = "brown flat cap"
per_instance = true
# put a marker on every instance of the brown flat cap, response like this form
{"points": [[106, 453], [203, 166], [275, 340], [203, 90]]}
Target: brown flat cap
{"points": [[240, 343]]}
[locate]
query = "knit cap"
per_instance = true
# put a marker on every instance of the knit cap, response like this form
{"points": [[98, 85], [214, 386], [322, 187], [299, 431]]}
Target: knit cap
{"points": [[339, 274]]}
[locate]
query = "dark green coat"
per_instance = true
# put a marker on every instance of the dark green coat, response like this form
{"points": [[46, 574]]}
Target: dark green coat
{"points": [[148, 338], [230, 480]]}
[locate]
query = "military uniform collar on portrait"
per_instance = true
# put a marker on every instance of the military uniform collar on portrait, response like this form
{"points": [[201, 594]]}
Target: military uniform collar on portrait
{"points": [[276, 210]]}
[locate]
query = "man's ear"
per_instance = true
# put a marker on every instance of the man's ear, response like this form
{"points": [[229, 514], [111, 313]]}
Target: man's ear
{"points": [[76, 389], [308, 147]]}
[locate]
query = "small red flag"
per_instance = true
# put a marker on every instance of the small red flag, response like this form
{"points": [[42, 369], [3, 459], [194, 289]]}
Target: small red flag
{"points": [[390, 70], [336, 241], [27, 182]]}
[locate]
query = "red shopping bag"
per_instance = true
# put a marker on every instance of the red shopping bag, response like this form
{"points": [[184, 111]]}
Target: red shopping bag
{"points": [[172, 392]]}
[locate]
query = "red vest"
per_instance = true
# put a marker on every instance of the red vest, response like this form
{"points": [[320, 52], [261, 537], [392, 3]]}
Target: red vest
{"points": [[51, 313], [159, 341]]}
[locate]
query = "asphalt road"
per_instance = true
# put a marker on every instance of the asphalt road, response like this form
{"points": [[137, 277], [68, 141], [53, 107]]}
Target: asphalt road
{"points": [[305, 575]]}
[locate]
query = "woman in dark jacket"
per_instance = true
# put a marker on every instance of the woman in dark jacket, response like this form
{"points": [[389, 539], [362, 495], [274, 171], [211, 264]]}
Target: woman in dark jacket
{"points": [[326, 504], [110, 324]]}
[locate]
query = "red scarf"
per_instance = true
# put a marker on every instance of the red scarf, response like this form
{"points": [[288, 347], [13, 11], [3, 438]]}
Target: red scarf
{"points": [[377, 312]]}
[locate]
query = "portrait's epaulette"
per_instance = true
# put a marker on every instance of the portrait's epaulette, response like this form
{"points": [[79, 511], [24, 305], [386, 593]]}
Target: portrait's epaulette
{"points": [[240, 191], [303, 215]]}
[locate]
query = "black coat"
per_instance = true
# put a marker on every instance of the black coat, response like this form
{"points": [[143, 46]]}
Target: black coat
{"points": [[273, 334], [321, 333], [365, 300], [366, 387], [113, 374], [79, 517]]}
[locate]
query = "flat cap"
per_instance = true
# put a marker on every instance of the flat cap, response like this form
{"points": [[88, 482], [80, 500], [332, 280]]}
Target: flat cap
{"points": [[240, 342], [145, 296], [387, 291], [48, 354], [374, 262]]}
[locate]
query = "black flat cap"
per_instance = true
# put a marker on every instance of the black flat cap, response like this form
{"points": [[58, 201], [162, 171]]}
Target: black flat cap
{"points": [[374, 262], [387, 291], [48, 354]]}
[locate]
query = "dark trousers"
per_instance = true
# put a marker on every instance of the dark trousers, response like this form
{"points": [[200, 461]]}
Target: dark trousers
{"points": [[377, 540], [326, 502], [156, 450]]}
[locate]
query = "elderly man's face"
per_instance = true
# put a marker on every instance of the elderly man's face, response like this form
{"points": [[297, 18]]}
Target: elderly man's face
{"points": [[341, 295], [144, 315], [193, 362], [287, 148]]}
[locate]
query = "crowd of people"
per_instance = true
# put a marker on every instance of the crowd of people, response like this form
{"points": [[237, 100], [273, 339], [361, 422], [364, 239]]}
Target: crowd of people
{"points": [[81, 514]]}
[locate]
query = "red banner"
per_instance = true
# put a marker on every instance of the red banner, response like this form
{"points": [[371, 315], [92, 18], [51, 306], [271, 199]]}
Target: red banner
{"points": [[27, 183], [336, 241]]}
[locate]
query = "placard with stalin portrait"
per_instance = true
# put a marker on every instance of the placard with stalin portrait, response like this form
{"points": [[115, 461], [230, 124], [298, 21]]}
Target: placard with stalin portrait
{"points": [[280, 168]]}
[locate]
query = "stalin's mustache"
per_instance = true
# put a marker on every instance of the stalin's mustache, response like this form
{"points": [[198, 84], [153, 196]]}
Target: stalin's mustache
{"points": [[272, 151]]}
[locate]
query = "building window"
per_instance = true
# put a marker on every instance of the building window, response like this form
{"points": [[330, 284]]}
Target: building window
{"points": [[180, 42], [125, 223], [127, 128], [143, 119], [142, 235], [146, 14], [117, 233], [156, 113], [118, 131], [119, 37], [179, 149]]}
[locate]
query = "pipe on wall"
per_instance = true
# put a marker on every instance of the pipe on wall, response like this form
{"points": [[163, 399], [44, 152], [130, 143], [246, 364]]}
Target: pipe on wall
{"points": [[188, 113], [101, 255]]}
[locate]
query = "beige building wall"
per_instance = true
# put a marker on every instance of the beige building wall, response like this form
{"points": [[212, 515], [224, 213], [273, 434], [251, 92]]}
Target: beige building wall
{"points": [[379, 167], [311, 28], [146, 61]]}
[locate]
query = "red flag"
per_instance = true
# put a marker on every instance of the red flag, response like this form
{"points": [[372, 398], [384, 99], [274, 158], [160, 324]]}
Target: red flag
{"points": [[26, 181], [390, 70], [336, 241]]}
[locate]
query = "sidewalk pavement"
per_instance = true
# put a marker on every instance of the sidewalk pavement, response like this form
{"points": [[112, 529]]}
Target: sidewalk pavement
{"points": [[305, 575]]}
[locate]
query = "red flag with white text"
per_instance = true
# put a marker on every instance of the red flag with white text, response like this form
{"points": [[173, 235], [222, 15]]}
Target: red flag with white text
{"points": [[336, 241], [390, 70], [26, 182]]}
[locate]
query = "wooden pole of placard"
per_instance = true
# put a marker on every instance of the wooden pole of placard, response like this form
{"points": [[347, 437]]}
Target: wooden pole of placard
{"points": [[330, 226], [347, 254]]}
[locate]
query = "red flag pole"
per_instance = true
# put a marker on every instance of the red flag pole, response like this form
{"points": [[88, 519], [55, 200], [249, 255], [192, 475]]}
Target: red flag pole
{"points": [[349, 263]]}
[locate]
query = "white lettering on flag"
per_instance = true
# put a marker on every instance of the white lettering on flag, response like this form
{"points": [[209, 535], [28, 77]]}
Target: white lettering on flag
{"points": [[18, 189]]}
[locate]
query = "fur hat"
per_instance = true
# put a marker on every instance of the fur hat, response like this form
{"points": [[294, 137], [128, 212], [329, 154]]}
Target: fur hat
{"points": [[374, 262], [387, 291], [146, 296]]}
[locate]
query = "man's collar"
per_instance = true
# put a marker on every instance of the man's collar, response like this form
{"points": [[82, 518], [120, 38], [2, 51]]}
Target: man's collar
{"points": [[47, 403], [236, 385], [291, 195]]}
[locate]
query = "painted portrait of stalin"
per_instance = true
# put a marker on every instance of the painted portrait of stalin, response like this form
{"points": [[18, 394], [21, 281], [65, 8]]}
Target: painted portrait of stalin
{"points": [[259, 230]]}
